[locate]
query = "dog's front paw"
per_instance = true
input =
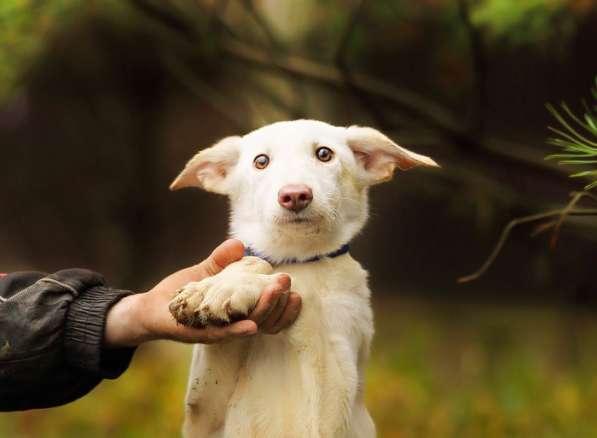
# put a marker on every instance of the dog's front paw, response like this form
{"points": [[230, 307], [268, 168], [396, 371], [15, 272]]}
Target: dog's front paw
{"points": [[226, 297]]}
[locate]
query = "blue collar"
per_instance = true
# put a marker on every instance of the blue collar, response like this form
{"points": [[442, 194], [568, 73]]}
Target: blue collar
{"points": [[293, 260]]}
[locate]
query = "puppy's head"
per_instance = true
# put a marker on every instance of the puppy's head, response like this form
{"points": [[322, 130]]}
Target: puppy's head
{"points": [[299, 188]]}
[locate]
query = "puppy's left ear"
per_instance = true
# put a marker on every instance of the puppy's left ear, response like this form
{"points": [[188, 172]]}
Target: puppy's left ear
{"points": [[379, 156], [210, 168]]}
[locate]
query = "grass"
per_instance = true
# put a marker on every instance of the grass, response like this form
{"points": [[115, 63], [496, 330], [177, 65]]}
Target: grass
{"points": [[436, 370]]}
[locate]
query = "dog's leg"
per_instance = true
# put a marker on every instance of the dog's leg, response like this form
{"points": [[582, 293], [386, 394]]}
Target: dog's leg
{"points": [[350, 327], [309, 340], [225, 297], [212, 380], [362, 423]]}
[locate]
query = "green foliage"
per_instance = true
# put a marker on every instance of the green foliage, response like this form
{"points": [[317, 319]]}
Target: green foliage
{"points": [[577, 138], [436, 370], [28, 26], [24, 24], [527, 22]]}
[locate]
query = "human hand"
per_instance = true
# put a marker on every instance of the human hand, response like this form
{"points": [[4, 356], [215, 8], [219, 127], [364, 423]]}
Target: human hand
{"points": [[144, 317]]}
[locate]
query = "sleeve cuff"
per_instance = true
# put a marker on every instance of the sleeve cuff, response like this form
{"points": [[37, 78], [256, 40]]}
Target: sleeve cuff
{"points": [[84, 333]]}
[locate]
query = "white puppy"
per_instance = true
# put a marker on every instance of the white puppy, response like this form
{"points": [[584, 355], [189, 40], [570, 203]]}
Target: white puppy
{"points": [[298, 194]]}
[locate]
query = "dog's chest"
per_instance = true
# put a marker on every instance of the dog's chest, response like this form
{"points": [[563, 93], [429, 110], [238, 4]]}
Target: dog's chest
{"points": [[292, 370], [302, 381], [335, 299], [328, 278]]}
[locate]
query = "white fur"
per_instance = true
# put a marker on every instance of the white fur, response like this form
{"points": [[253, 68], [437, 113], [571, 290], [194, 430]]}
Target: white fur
{"points": [[307, 381]]}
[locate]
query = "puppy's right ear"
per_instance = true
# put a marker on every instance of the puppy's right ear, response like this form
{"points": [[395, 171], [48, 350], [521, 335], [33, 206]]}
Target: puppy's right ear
{"points": [[379, 156], [210, 168]]}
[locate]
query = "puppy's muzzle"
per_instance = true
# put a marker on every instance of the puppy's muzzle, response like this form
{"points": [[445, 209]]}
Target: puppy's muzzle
{"points": [[295, 197]]}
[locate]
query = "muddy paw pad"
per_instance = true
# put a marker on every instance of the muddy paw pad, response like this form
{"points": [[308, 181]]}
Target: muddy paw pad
{"points": [[226, 297]]}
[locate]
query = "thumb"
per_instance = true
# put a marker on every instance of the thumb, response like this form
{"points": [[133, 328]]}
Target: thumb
{"points": [[227, 252]]}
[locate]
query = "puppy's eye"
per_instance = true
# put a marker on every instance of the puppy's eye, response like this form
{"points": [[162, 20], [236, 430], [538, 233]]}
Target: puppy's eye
{"points": [[324, 154], [261, 161]]}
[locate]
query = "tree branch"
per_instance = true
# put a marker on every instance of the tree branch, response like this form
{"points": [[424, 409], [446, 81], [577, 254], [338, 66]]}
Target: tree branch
{"points": [[433, 115], [204, 91], [258, 17], [295, 66], [562, 214]]}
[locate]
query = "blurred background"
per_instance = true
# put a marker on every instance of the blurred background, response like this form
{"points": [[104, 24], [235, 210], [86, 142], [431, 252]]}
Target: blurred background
{"points": [[102, 103]]}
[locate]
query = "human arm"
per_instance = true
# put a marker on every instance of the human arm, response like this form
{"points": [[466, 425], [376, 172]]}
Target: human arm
{"points": [[61, 334], [144, 317]]}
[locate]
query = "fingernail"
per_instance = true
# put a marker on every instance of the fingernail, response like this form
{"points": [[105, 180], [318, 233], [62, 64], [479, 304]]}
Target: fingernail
{"points": [[247, 332], [245, 328], [284, 279]]}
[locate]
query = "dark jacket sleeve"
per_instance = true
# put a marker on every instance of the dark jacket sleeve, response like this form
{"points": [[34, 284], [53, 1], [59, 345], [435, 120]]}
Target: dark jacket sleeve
{"points": [[51, 334]]}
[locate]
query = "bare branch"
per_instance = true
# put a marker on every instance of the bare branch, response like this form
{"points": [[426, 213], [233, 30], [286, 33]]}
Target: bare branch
{"points": [[586, 195], [276, 100], [295, 66], [565, 212], [164, 15], [562, 213], [261, 21], [204, 91], [424, 110], [556, 224], [215, 21], [427, 112]]}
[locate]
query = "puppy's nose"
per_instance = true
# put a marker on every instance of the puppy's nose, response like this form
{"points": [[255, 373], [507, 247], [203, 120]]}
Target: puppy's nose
{"points": [[295, 197]]}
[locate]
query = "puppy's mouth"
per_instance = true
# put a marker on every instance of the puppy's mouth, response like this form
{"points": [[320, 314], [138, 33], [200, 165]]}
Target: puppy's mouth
{"points": [[296, 219]]}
